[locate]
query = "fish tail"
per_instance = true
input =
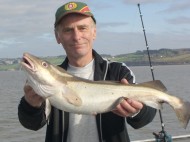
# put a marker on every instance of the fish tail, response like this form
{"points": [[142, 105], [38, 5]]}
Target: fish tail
{"points": [[183, 113]]}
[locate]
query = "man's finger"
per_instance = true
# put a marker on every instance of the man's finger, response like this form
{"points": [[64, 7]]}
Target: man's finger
{"points": [[124, 81], [135, 104], [27, 88]]}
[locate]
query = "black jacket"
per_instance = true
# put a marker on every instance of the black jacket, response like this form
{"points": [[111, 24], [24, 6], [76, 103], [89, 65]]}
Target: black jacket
{"points": [[111, 127]]}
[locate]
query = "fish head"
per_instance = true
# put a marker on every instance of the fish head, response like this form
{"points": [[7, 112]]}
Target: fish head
{"points": [[39, 69], [41, 74]]}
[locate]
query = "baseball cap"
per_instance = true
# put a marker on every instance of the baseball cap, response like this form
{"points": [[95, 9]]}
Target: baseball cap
{"points": [[72, 7]]}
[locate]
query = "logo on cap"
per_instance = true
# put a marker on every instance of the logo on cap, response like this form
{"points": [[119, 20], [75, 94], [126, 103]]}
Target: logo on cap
{"points": [[70, 6]]}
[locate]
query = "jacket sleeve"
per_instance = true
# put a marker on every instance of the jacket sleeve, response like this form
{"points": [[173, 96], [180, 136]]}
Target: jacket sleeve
{"points": [[30, 117], [144, 117]]}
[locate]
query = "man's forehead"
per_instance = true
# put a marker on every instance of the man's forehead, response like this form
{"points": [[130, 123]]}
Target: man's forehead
{"points": [[77, 25], [76, 20]]}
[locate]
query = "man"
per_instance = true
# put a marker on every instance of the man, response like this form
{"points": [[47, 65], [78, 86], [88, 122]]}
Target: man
{"points": [[75, 29]]}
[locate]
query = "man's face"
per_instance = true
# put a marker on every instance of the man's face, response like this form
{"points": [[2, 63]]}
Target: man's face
{"points": [[76, 33]]}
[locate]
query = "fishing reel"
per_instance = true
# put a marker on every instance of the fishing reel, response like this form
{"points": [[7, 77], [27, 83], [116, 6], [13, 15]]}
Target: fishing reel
{"points": [[162, 136]]}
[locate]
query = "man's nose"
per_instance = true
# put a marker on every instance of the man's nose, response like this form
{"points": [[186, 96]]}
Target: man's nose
{"points": [[76, 34]]}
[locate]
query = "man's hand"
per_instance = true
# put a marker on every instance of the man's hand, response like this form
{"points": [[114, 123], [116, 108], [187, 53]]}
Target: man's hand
{"points": [[128, 107], [31, 97]]}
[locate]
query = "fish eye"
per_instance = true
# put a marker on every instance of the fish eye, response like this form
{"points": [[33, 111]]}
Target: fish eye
{"points": [[44, 64]]}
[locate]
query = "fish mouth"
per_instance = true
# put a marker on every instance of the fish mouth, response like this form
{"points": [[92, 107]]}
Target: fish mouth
{"points": [[27, 63]]}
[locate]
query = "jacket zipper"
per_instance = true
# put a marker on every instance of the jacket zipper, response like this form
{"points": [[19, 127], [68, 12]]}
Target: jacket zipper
{"points": [[101, 134]]}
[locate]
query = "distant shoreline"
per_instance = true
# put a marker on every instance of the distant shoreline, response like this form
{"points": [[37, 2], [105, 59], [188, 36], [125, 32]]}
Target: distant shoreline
{"points": [[130, 65], [138, 58]]}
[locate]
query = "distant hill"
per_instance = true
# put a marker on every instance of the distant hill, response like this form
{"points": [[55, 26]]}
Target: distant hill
{"points": [[138, 58], [158, 57]]}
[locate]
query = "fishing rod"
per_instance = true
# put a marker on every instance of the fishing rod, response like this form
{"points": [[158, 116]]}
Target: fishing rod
{"points": [[162, 136]]}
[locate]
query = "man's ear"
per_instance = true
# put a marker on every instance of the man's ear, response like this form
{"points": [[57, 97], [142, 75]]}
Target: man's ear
{"points": [[57, 37], [94, 34]]}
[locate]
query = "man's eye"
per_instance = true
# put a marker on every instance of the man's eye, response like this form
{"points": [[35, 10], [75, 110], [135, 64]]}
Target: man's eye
{"points": [[67, 30], [83, 28]]}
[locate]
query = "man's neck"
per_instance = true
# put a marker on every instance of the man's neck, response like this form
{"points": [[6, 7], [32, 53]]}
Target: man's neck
{"points": [[80, 62]]}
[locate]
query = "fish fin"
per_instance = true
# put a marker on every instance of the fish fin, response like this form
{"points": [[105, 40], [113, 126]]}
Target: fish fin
{"points": [[156, 84], [153, 104], [72, 97], [183, 113]]}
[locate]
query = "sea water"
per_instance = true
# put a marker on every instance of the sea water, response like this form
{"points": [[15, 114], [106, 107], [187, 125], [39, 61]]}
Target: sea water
{"points": [[175, 77]]}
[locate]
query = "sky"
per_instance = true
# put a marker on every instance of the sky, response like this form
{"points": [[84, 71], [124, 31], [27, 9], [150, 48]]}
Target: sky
{"points": [[28, 26]]}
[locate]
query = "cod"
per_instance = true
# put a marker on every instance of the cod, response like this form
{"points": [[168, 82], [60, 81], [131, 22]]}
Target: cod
{"points": [[73, 94]]}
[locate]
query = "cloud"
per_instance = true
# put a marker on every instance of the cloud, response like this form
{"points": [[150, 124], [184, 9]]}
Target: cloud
{"points": [[8, 42], [100, 5], [142, 1], [178, 5], [179, 20], [47, 36], [28, 26], [119, 43], [112, 26]]}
